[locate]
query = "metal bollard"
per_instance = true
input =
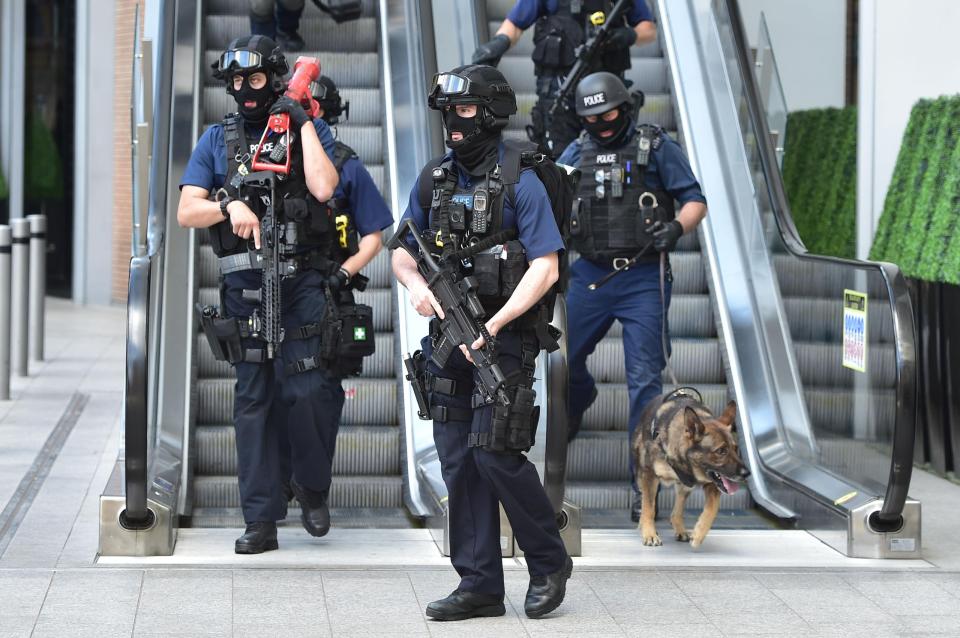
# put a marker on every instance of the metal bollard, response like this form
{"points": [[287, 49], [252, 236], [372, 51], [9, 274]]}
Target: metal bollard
{"points": [[4, 313], [38, 283], [19, 297]]}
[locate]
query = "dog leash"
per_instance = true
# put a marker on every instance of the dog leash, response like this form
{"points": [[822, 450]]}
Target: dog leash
{"points": [[663, 321]]}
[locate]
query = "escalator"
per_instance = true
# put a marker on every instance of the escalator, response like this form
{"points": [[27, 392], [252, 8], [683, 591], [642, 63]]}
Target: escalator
{"points": [[366, 486]]}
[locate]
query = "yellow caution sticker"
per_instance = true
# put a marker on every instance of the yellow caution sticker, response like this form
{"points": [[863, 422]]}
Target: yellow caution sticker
{"points": [[846, 497], [342, 222], [598, 18], [438, 241]]}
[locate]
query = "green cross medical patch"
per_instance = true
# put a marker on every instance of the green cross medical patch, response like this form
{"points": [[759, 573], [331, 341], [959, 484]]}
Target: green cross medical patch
{"points": [[359, 333]]}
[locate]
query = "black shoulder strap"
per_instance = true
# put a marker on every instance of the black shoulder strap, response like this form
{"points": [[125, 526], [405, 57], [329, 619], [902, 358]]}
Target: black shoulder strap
{"points": [[233, 133], [425, 183], [341, 153]]}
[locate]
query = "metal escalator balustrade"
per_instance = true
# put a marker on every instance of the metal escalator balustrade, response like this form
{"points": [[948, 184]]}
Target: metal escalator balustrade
{"points": [[366, 489], [597, 462], [829, 447]]}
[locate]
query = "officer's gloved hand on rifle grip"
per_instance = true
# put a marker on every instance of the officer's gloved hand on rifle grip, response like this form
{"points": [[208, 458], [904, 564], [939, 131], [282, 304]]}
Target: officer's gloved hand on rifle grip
{"points": [[621, 38], [286, 104], [666, 236], [338, 280], [491, 52]]}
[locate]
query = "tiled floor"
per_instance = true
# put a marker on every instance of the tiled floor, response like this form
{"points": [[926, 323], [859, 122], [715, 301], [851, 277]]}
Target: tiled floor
{"points": [[377, 582]]}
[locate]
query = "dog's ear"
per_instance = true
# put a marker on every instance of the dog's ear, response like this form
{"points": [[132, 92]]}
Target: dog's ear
{"points": [[729, 413], [693, 423]]}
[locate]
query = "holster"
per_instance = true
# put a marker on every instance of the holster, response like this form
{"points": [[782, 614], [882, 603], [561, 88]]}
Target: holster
{"points": [[513, 428], [224, 336], [416, 373]]}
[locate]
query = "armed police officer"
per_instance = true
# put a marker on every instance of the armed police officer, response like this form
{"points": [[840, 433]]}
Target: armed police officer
{"points": [[561, 26], [626, 223], [289, 386], [359, 215], [490, 226]]}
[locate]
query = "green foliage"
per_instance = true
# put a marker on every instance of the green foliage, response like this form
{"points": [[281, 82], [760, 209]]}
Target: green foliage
{"points": [[919, 227], [43, 175], [820, 175], [4, 191]]}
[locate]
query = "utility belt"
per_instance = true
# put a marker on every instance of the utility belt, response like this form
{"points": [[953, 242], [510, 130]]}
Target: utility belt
{"points": [[346, 337], [512, 428], [296, 263]]}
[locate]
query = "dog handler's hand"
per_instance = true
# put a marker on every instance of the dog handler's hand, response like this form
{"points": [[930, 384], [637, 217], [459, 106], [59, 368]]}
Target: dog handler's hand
{"points": [[423, 301], [244, 221]]}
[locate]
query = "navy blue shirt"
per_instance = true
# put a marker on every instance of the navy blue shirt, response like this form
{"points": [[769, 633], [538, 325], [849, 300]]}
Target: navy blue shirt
{"points": [[532, 216], [667, 170], [207, 167], [525, 12], [370, 212]]}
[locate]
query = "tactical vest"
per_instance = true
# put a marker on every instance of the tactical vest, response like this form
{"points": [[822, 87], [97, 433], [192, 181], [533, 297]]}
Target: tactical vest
{"points": [[556, 38], [616, 207], [312, 224]]}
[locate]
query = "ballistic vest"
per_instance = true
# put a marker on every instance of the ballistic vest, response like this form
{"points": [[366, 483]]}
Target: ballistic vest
{"points": [[556, 38], [312, 225], [616, 207]]}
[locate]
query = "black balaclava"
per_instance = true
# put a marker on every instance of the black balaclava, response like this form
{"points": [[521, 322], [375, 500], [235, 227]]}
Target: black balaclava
{"points": [[478, 151], [620, 127], [263, 98]]}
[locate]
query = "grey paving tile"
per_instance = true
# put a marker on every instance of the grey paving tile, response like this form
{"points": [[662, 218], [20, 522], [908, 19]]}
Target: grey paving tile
{"points": [[904, 594], [192, 601], [360, 603], [581, 614], [858, 630], [749, 623], [22, 593], [678, 629], [947, 625], [278, 603], [643, 597], [948, 581], [90, 599]]}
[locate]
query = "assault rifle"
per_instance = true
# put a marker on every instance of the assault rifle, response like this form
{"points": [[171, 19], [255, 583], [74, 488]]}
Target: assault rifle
{"points": [[463, 315], [267, 319], [586, 57]]}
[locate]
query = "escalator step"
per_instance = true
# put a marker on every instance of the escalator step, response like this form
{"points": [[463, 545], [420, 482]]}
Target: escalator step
{"points": [[353, 36], [361, 450], [599, 456], [346, 491], [368, 401], [693, 361], [617, 495], [610, 410], [381, 300], [340, 518]]}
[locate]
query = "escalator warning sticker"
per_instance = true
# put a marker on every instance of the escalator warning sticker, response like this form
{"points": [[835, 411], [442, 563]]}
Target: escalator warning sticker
{"points": [[855, 330]]}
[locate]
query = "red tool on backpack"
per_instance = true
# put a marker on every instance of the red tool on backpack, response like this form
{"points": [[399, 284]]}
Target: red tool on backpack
{"points": [[305, 71]]}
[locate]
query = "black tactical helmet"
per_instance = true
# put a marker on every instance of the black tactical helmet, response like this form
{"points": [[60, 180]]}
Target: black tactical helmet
{"points": [[250, 54], [600, 92], [325, 92], [477, 84]]}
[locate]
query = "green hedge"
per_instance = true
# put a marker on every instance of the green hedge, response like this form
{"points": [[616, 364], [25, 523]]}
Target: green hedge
{"points": [[919, 227], [43, 176], [820, 176], [4, 191]]}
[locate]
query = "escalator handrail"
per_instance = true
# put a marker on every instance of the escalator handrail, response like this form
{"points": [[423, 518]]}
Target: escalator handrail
{"points": [[901, 463], [136, 414]]}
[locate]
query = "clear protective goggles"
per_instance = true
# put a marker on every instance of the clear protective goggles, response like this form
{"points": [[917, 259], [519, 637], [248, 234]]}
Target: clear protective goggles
{"points": [[450, 84], [239, 59], [318, 91]]}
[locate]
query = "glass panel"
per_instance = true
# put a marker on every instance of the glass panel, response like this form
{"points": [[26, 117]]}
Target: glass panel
{"points": [[852, 413], [771, 89]]}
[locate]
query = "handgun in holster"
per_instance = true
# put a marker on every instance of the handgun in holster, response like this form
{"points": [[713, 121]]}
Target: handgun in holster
{"points": [[223, 334], [416, 373]]}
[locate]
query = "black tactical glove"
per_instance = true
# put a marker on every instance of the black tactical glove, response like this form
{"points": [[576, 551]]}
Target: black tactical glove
{"points": [[285, 104], [666, 236], [491, 52], [338, 280], [621, 38]]}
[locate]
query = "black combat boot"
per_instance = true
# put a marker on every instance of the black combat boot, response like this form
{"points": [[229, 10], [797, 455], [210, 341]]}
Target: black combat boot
{"points": [[546, 592], [461, 605], [314, 512], [290, 42], [261, 536]]}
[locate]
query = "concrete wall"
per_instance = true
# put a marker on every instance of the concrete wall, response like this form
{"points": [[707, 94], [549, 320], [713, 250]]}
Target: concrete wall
{"points": [[907, 52], [809, 42]]}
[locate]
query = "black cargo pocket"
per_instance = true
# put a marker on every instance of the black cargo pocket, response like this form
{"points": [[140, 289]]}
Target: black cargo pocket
{"points": [[486, 270]]}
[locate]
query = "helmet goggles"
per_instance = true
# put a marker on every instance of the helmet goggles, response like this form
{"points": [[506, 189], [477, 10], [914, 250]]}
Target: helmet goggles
{"points": [[239, 60], [450, 88]]}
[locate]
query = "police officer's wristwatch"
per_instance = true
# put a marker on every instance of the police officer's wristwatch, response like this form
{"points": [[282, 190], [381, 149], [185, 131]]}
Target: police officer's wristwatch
{"points": [[224, 199]]}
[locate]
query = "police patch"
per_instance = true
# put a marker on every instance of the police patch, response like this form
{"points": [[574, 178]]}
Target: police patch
{"points": [[595, 99], [608, 158], [463, 198]]}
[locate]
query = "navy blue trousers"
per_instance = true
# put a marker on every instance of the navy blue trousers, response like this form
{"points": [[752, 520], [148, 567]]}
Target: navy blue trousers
{"points": [[633, 299], [284, 16], [274, 411], [478, 481]]}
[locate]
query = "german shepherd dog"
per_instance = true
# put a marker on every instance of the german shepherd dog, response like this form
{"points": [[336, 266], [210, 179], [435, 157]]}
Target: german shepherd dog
{"points": [[679, 441]]}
